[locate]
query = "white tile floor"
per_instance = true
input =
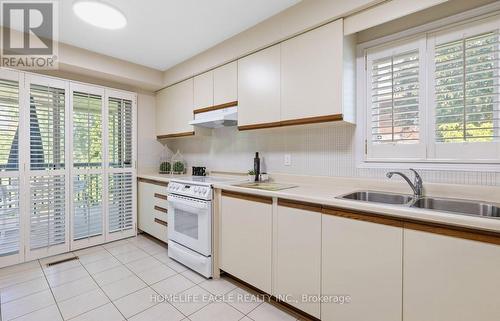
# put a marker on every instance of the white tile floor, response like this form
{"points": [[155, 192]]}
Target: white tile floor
{"points": [[122, 281]]}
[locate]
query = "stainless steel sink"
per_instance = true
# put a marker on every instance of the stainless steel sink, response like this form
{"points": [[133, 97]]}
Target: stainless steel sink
{"points": [[379, 197], [475, 208]]}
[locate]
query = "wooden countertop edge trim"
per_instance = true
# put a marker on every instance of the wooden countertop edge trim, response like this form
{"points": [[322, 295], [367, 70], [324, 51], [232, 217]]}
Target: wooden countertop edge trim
{"points": [[215, 107], [161, 209], [161, 222], [378, 219], [248, 197], [300, 205], [152, 181], [292, 122], [184, 134], [161, 196]]}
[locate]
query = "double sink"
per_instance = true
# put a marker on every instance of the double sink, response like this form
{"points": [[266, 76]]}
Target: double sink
{"points": [[459, 206]]}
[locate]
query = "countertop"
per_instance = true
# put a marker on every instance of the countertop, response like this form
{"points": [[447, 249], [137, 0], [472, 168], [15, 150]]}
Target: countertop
{"points": [[324, 190]]}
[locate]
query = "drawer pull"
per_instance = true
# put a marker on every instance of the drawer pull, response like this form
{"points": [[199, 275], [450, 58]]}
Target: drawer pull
{"points": [[163, 197], [161, 209], [161, 222]]}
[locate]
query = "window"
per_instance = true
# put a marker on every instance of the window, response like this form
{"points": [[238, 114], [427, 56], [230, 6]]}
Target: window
{"points": [[120, 132], [435, 98], [87, 130]]}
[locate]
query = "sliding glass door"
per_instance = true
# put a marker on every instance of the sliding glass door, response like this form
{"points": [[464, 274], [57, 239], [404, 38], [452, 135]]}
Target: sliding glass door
{"points": [[11, 221], [47, 179]]}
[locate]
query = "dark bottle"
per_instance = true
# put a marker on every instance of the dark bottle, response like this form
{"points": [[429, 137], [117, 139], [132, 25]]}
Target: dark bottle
{"points": [[256, 166]]}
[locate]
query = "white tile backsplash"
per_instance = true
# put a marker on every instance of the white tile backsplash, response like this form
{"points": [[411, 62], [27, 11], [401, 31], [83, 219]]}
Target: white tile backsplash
{"points": [[321, 150]]}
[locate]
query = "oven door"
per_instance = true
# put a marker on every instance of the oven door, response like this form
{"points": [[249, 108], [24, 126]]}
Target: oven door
{"points": [[190, 223]]}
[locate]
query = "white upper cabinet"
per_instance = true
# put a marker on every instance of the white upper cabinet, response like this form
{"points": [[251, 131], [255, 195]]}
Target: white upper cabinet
{"points": [[259, 87], [312, 73], [225, 84], [174, 109], [203, 88]]}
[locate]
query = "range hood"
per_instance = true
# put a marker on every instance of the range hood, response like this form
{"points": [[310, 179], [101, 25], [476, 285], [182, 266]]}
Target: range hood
{"points": [[216, 118]]}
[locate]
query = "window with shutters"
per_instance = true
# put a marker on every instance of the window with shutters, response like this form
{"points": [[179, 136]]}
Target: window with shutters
{"points": [[435, 98], [87, 204], [87, 130], [120, 132], [120, 200]]}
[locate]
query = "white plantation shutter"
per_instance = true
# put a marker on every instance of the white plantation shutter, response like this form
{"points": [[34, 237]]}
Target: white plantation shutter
{"points": [[10, 189], [120, 202], [48, 219], [121, 181], [466, 94], [394, 96], [9, 216], [48, 211], [120, 132], [88, 171], [87, 204]]}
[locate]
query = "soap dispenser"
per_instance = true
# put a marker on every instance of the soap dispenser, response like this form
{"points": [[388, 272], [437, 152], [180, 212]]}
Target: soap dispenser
{"points": [[256, 166]]}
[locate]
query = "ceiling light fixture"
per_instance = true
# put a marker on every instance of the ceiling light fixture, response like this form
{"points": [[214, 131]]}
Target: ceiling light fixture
{"points": [[99, 14]]}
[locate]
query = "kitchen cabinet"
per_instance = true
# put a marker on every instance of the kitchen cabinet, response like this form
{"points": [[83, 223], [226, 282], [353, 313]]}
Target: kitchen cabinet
{"points": [[153, 208], [203, 88], [174, 110], [226, 84], [298, 255], [246, 238], [450, 279], [259, 89], [312, 74], [362, 259]]}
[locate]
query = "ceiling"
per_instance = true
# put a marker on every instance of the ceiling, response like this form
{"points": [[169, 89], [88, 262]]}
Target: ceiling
{"points": [[163, 33]]}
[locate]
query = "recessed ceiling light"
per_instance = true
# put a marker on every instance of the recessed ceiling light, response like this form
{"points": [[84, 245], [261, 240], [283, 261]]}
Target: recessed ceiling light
{"points": [[99, 14]]}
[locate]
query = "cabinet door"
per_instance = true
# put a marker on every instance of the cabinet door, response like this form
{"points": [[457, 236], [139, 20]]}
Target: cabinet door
{"points": [[259, 87], [363, 260], [450, 279], [174, 109], [245, 251], [311, 73], [298, 257], [151, 217], [203, 87], [226, 84]]}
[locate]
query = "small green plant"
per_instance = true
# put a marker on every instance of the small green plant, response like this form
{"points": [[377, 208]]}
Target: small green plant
{"points": [[165, 167], [179, 167], [251, 172]]}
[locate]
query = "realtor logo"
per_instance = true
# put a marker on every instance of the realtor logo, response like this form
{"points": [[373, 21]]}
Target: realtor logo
{"points": [[29, 34]]}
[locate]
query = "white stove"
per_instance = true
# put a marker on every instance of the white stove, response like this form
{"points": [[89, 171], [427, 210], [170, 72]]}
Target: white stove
{"points": [[190, 221]]}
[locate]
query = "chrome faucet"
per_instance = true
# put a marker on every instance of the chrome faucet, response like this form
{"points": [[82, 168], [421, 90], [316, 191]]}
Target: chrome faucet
{"points": [[417, 186]]}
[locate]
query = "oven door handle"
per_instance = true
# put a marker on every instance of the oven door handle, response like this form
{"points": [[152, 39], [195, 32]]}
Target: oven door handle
{"points": [[188, 206]]}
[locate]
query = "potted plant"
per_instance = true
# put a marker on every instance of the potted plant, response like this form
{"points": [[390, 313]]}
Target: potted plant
{"points": [[251, 175], [165, 168]]}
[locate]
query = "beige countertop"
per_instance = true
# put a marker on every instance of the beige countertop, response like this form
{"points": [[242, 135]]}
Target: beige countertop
{"points": [[324, 190]]}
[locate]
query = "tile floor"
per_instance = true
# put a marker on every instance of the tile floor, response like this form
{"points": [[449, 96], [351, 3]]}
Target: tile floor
{"points": [[132, 279]]}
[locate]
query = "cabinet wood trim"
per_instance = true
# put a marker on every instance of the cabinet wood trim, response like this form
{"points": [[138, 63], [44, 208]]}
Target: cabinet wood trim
{"points": [[161, 196], [300, 205], [363, 217], [312, 120], [248, 197], [260, 126], [151, 181], [161, 222], [161, 209], [457, 232], [215, 107], [184, 134], [292, 122]]}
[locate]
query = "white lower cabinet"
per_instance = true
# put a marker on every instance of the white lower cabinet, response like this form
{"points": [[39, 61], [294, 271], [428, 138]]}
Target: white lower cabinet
{"points": [[450, 279], [297, 267], [362, 260], [152, 207], [246, 238]]}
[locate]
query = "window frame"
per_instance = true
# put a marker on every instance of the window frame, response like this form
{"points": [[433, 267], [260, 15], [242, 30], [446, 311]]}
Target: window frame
{"points": [[467, 21]]}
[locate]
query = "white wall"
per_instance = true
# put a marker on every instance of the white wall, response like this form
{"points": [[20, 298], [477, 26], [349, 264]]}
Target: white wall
{"points": [[148, 148], [322, 150]]}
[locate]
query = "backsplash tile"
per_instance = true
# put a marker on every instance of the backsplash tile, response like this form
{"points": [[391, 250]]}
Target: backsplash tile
{"points": [[322, 150]]}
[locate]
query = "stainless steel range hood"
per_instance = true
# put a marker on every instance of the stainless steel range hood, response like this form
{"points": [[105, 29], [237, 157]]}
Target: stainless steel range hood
{"points": [[216, 118]]}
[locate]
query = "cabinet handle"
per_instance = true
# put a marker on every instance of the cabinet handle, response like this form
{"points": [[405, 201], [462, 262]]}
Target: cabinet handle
{"points": [[161, 209], [163, 197], [161, 222]]}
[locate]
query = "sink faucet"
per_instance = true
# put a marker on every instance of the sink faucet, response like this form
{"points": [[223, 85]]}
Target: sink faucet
{"points": [[416, 186]]}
